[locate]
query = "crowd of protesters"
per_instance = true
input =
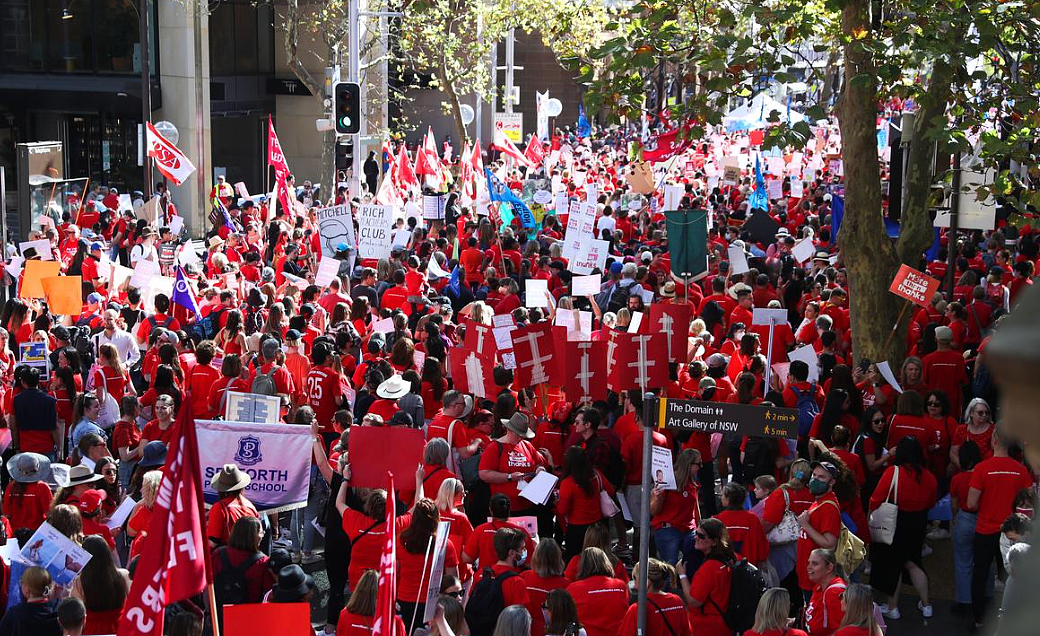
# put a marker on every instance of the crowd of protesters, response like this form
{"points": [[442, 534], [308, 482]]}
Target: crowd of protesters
{"points": [[122, 371]]}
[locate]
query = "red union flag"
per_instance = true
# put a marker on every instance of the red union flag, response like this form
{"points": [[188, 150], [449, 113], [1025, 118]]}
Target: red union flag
{"points": [[914, 286], [480, 338], [586, 376], [174, 561], [534, 152], [640, 362], [275, 156], [386, 596], [168, 158], [500, 142], [472, 372], [673, 322], [535, 360], [666, 145]]}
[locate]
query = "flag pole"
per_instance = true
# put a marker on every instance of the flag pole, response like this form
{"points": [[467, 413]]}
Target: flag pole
{"points": [[422, 580], [213, 609]]}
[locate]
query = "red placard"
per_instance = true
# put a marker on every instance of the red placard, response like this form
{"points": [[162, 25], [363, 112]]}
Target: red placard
{"points": [[291, 619], [914, 286], [755, 137], [377, 449]]}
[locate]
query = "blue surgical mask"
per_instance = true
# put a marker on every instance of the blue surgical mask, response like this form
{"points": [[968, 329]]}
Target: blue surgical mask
{"points": [[523, 558]]}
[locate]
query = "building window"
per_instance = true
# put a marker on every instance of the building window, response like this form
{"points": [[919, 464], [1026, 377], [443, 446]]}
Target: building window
{"points": [[241, 38], [119, 41]]}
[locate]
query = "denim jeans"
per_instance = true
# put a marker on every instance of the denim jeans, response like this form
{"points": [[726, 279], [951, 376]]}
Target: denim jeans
{"points": [[316, 499], [672, 543], [963, 556]]}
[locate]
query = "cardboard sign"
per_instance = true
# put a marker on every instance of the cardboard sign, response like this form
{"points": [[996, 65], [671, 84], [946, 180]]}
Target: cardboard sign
{"points": [[253, 408], [375, 224], [335, 226], [737, 260], [803, 250], [328, 268], [591, 255], [35, 354], [144, 272], [436, 569], [914, 286], [35, 272], [276, 618], [433, 206], [586, 285], [718, 417], [808, 355], [368, 464], [766, 315], [64, 294], [536, 291], [42, 247]]}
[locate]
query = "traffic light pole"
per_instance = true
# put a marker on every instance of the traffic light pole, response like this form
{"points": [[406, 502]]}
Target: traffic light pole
{"points": [[354, 75]]}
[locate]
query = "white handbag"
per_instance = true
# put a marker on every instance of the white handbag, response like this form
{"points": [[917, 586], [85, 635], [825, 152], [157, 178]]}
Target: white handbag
{"points": [[883, 519], [606, 504], [788, 529]]}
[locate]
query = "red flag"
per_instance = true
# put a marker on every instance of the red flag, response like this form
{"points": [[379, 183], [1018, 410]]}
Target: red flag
{"points": [[472, 372], [169, 160], [479, 338], [386, 596], [275, 157], [174, 561], [502, 143], [405, 175], [477, 159], [673, 322], [586, 376], [535, 359], [666, 145], [640, 362], [426, 160], [534, 152]]}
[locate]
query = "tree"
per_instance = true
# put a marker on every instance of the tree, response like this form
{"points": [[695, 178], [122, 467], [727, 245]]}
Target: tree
{"points": [[969, 66]]}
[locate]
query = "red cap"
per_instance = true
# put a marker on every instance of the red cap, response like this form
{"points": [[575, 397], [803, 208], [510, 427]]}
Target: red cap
{"points": [[90, 501]]}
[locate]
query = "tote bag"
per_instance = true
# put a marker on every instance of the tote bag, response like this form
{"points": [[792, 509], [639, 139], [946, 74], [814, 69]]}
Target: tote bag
{"points": [[883, 519]]}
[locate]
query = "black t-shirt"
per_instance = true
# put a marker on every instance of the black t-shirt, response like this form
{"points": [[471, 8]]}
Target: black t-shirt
{"points": [[35, 410], [31, 619]]}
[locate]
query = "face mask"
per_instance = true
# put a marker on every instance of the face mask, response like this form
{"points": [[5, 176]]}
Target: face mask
{"points": [[817, 486], [523, 558]]}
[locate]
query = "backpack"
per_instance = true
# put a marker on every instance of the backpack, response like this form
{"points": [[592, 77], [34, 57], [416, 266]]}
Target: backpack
{"points": [[850, 550], [207, 328], [746, 586], [230, 585], [253, 322], [486, 602], [263, 383], [759, 457], [807, 407]]}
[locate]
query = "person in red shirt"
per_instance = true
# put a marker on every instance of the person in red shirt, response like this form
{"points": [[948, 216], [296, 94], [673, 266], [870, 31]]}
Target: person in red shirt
{"points": [[414, 569], [511, 554], [578, 506], [357, 617], [771, 615], [666, 614], [602, 600], [455, 405], [675, 513], [230, 483], [857, 603], [27, 498], [511, 458], [824, 612], [707, 595], [911, 486], [909, 420], [480, 546], [366, 530], [324, 389], [995, 483], [944, 368], [545, 576], [200, 379], [89, 506], [745, 529], [821, 523], [742, 312], [161, 318]]}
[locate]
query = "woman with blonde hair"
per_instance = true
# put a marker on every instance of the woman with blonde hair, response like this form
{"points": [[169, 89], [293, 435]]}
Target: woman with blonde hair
{"points": [[602, 600], [357, 617], [545, 575], [37, 614], [860, 617], [666, 613], [141, 517], [771, 615], [450, 498]]}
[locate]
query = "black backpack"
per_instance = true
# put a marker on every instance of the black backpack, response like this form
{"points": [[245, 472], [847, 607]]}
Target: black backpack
{"points": [[486, 602], [230, 585], [759, 457], [207, 328], [746, 587]]}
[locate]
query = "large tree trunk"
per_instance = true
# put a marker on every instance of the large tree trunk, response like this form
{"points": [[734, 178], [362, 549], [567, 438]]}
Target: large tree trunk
{"points": [[868, 253], [453, 100]]}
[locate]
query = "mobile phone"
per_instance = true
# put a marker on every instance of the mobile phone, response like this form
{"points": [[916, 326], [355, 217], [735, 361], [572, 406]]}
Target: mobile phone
{"points": [[864, 365]]}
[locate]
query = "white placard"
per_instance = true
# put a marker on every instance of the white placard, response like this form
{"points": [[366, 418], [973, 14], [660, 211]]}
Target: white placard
{"points": [[297, 282], [508, 360], [561, 201], [537, 290], [43, 249], [565, 318], [737, 260], [121, 514], [765, 315], [176, 225], [240, 187], [433, 206], [542, 197], [50, 549], [503, 320], [583, 330], [419, 358], [673, 195], [9, 550], [540, 487], [661, 468], [253, 408], [328, 268], [637, 319], [590, 256], [803, 250], [797, 187], [503, 337], [144, 272], [808, 355], [774, 188], [14, 268], [375, 225], [886, 372], [586, 285], [386, 325]]}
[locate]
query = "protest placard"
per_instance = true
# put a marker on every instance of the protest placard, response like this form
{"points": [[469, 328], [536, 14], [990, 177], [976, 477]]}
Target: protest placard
{"points": [[328, 268], [144, 271], [276, 457], [774, 188], [808, 355], [797, 187], [369, 468], [64, 294], [433, 206], [737, 260], [719, 417], [14, 268], [121, 514], [35, 354], [661, 468], [56, 553], [252, 407], [385, 325], [586, 285], [673, 195], [730, 171], [885, 370], [914, 286], [561, 202], [536, 292], [433, 592], [275, 618], [375, 223], [335, 226], [766, 316], [35, 272], [503, 337], [803, 250], [42, 248], [590, 256]]}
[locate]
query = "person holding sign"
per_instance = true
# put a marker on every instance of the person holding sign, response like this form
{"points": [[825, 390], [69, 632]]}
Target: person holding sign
{"points": [[675, 513]]}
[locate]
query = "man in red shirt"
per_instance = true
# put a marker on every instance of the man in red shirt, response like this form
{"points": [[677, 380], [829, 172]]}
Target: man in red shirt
{"points": [[480, 546], [200, 379], [329, 301], [743, 311], [995, 483], [944, 368], [454, 405], [161, 318], [323, 389], [472, 260], [230, 484], [798, 383]]}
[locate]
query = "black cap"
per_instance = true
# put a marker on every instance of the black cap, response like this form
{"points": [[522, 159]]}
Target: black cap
{"points": [[61, 333], [829, 467], [293, 334]]}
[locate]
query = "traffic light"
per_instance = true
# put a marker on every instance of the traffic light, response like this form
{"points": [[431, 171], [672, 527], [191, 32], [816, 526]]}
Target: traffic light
{"points": [[346, 107], [344, 155]]}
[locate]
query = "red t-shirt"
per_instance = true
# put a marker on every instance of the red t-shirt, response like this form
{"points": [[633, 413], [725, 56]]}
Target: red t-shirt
{"points": [[322, 387], [745, 531], [351, 624], [537, 591], [666, 607], [906, 425], [999, 479], [776, 505], [959, 485], [367, 537], [126, 435], [571, 571], [983, 440], [823, 614], [577, 507], [678, 509], [111, 381], [789, 631], [27, 505], [710, 585], [224, 514], [480, 546], [602, 602], [825, 518], [152, 432], [913, 493], [410, 572], [945, 370], [522, 457], [439, 425], [200, 379], [632, 453]]}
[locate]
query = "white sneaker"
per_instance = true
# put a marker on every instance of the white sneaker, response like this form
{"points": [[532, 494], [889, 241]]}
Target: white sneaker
{"points": [[892, 613], [939, 533], [926, 550], [925, 609]]}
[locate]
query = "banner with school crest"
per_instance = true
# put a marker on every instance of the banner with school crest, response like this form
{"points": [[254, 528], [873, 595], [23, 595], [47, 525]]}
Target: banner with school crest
{"points": [[277, 458]]}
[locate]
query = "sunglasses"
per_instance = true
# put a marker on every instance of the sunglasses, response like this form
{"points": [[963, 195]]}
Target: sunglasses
{"points": [[702, 536], [934, 403], [879, 420]]}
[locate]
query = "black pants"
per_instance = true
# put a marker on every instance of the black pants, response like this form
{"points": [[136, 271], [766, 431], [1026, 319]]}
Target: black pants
{"points": [[986, 548], [706, 477], [337, 562], [410, 610], [574, 540]]}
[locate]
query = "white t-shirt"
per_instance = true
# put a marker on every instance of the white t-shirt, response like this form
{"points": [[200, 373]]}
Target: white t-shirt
{"points": [[143, 252], [605, 223]]}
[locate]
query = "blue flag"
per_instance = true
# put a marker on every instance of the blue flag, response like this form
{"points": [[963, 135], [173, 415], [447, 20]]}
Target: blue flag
{"points": [[229, 223], [499, 192], [182, 294], [455, 282], [837, 214], [758, 200], [584, 129]]}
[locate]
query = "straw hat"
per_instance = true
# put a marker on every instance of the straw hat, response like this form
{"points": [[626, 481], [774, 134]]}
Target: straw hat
{"points": [[230, 477]]}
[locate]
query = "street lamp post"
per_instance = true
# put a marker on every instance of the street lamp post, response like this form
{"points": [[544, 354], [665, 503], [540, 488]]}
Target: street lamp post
{"points": [[146, 93]]}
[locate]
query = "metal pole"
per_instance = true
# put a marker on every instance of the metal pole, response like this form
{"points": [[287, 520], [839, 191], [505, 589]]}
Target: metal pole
{"points": [[146, 94], [951, 244], [478, 102], [3, 225], [354, 63], [200, 134], [510, 44], [769, 355], [644, 511]]}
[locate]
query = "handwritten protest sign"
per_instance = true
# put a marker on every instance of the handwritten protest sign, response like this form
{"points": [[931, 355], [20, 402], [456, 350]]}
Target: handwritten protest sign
{"points": [[375, 223], [335, 226], [914, 286]]}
